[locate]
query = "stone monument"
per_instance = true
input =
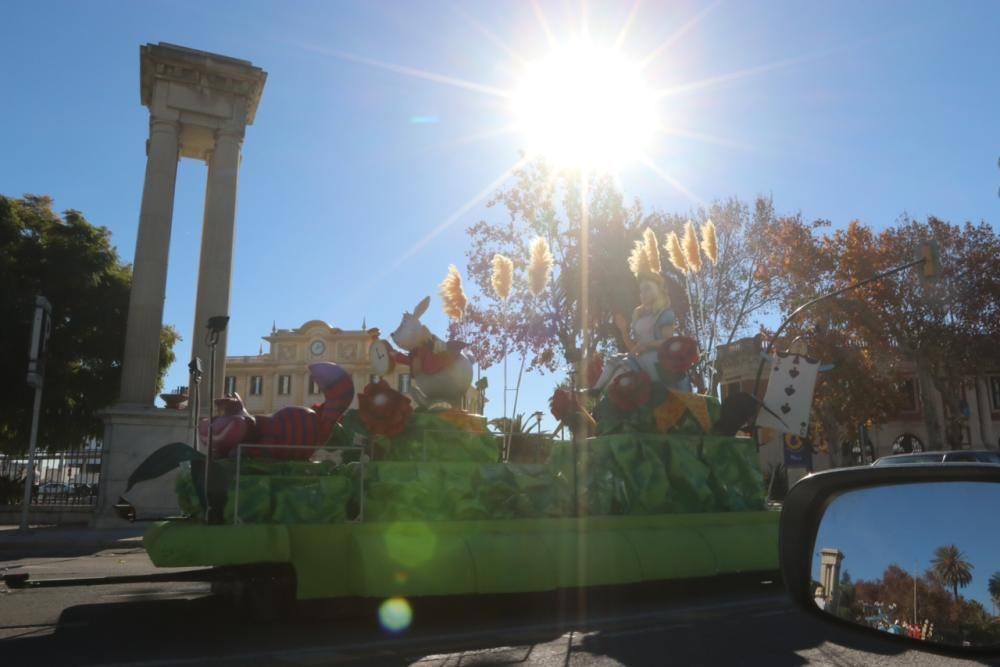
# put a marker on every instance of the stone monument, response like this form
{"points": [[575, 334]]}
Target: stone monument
{"points": [[199, 106]]}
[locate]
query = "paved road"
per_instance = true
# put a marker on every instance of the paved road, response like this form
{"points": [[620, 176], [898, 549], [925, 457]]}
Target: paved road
{"points": [[739, 622]]}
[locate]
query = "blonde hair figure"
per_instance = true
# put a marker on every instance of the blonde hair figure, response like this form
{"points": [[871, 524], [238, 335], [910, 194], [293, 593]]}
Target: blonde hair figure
{"points": [[652, 320]]}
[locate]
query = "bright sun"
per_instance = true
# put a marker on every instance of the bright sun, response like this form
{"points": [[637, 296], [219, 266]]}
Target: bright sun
{"points": [[585, 107]]}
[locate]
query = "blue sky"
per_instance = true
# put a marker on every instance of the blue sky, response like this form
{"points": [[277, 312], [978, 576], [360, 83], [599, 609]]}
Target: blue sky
{"points": [[838, 110], [909, 523]]}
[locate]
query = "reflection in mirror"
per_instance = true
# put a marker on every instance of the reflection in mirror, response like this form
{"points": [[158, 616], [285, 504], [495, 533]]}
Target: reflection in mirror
{"points": [[916, 560]]}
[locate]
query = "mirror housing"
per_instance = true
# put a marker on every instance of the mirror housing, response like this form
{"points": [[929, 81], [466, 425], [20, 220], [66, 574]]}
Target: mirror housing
{"points": [[808, 501]]}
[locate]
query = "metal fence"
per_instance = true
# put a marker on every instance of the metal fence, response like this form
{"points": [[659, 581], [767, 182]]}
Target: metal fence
{"points": [[61, 478]]}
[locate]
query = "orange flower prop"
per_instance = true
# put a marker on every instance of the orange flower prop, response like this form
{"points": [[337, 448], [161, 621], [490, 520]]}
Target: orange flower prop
{"points": [[629, 391], [678, 354], [669, 413], [383, 410], [463, 420]]}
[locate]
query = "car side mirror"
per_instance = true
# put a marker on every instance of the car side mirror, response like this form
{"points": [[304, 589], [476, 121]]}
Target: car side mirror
{"points": [[908, 552]]}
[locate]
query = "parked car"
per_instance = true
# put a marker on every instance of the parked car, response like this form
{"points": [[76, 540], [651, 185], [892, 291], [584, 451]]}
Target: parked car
{"points": [[78, 489], [950, 456], [54, 490]]}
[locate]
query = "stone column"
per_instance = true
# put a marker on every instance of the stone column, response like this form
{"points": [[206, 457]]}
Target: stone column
{"points": [[215, 270], [149, 273]]}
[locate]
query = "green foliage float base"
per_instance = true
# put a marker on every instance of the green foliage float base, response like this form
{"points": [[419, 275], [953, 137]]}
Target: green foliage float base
{"points": [[626, 474], [620, 509], [415, 558]]}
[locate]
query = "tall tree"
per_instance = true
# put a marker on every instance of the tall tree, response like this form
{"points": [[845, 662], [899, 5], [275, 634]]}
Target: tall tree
{"points": [[946, 327], [73, 264], [547, 327], [940, 327], [725, 290], [952, 567], [714, 305], [994, 588]]}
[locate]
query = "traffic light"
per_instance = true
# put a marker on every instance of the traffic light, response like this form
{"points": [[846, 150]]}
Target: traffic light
{"points": [[932, 263]]}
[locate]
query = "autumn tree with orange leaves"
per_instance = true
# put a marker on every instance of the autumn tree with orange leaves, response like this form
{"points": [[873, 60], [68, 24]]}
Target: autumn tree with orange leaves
{"points": [[941, 327]]}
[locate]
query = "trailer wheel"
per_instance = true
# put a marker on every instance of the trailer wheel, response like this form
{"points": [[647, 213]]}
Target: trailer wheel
{"points": [[260, 594], [270, 597]]}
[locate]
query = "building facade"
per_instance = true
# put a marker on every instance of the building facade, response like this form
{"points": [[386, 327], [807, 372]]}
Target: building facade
{"points": [[279, 376]]}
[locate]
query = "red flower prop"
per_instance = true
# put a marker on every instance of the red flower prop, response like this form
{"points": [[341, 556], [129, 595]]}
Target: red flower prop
{"points": [[383, 410], [567, 409], [629, 391], [678, 354], [595, 368], [562, 404]]}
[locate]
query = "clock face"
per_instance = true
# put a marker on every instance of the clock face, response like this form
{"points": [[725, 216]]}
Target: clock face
{"points": [[317, 347], [380, 358]]}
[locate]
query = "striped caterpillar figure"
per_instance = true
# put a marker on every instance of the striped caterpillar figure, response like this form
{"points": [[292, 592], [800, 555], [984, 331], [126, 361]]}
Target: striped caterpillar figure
{"points": [[292, 426]]}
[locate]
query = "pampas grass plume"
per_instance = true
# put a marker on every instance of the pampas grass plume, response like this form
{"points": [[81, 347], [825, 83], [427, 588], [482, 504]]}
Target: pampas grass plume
{"points": [[691, 251], [503, 276], [709, 244], [540, 267], [675, 253], [452, 294]]}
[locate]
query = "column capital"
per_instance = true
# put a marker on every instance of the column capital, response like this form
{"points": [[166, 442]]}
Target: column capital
{"points": [[160, 124], [230, 134]]}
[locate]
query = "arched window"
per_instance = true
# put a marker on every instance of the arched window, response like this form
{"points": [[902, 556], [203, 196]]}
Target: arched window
{"points": [[907, 443]]}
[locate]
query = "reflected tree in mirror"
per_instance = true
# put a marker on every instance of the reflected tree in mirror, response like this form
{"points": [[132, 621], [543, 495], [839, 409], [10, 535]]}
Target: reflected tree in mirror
{"points": [[994, 588], [952, 568], [914, 551]]}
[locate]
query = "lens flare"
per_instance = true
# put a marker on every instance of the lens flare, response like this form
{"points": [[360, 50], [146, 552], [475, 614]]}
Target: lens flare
{"points": [[585, 107], [395, 614]]}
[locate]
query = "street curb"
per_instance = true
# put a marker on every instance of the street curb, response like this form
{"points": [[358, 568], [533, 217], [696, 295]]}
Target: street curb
{"points": [[44, 542]]}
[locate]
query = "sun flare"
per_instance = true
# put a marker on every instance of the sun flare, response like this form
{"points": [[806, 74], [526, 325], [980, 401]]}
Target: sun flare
{"points": [[585, 106]]}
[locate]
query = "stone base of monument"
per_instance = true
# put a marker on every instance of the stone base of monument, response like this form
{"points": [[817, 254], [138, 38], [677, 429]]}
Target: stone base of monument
{"points": [[131, 433]]}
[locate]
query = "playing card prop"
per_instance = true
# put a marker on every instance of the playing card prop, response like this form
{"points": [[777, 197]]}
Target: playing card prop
{"points": [[789, 394]]}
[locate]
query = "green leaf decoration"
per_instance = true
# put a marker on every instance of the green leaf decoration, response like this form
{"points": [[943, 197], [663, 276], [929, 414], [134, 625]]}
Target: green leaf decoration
{"points": [[162, 461]]}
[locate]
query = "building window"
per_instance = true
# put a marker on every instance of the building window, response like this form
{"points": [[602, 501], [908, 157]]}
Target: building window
{"points": [[373, 379], [230, 387], [284, 385], [256, 385], [995, 393], [313, 387], [907, 395], [404, 383]]}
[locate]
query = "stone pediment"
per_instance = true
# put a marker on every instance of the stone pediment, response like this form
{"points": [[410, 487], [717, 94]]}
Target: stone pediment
{"points": [[200, 70]]}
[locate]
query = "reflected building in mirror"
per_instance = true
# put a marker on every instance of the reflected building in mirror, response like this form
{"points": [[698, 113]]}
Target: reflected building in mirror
{"points": [[829, 578]]}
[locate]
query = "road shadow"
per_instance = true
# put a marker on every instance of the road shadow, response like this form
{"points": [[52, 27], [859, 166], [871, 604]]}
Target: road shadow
{"points": [[727, 622]]}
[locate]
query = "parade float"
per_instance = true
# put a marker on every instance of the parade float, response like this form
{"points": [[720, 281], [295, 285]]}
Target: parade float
{"points": [[413, 496]]}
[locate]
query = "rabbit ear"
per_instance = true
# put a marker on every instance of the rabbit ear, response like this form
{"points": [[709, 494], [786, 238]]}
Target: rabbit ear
{"points": [[422, 307]]}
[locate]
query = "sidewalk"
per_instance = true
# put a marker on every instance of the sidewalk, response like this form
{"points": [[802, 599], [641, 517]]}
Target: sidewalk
{"points": [[67, 540]]}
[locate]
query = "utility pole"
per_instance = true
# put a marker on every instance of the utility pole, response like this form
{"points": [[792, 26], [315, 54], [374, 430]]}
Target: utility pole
{"points": [[36, 378]]}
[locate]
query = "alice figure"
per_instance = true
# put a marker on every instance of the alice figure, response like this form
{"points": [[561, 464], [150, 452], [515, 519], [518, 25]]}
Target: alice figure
{"points": [[652, 323]]}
